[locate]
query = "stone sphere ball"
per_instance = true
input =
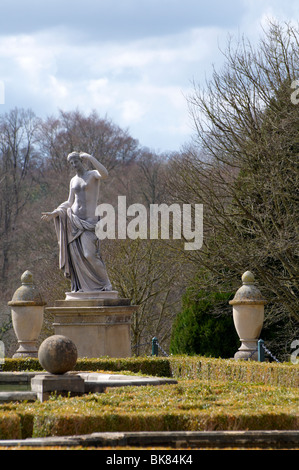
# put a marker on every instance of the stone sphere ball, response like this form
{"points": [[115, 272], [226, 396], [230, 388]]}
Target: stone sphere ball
{"points": [[57, 354]]}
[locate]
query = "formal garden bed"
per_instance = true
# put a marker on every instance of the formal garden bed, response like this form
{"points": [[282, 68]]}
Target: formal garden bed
{"points": [[211, 394]]}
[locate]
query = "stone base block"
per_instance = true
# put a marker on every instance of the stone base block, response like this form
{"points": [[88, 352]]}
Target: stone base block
{"points": [[66, 385], [246, 355], [111, 294], [26, 349], [247, 350], [98, 327]]}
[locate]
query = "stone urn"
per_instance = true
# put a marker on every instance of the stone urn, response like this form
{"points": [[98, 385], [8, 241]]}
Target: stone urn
{"points": [[248, 316], [27, 311]]}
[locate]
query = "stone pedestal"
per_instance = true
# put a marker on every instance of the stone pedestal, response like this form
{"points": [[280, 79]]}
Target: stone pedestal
{"points": [[98, 323], [66, 385]]}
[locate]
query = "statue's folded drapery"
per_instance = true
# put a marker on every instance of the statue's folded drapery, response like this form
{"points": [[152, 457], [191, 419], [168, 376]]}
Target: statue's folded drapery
{"points": [[79, 252]]}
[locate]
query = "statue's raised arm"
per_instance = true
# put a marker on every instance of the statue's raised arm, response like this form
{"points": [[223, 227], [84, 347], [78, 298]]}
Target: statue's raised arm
{"points": [[98, 166]]}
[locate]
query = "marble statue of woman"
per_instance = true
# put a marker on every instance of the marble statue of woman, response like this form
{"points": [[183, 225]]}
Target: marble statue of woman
{"points": [[75, 221]]}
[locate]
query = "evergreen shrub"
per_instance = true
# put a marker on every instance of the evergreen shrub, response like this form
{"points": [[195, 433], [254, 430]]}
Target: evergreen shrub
{"points": [[205, 326]]}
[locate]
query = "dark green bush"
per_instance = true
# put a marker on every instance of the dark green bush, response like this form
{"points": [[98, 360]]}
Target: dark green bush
{"points": [[205, 326]]}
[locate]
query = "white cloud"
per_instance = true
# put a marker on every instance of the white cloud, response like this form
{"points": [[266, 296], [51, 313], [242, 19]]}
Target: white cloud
{"points": [[139, 83], [56, 89], [132, 111], [132, 60]]}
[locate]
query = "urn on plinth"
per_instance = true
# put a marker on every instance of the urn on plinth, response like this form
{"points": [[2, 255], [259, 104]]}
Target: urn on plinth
{"points": [[27, 312], [248, 315]]}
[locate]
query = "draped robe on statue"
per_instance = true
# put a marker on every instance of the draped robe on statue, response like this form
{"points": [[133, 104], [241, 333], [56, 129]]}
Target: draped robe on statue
{"points": [[79, 252]]}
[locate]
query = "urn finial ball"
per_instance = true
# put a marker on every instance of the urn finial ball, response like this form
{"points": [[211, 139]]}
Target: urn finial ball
{"points": [[248, 278], [27, 278], [27, 294]]}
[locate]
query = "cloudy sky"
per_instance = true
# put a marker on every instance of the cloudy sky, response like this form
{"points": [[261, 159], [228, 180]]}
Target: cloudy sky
{"points": [[132, 60]]}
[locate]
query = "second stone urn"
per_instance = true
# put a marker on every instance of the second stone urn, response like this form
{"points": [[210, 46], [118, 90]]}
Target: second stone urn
{"points": [[248, 316], [27, 311]]}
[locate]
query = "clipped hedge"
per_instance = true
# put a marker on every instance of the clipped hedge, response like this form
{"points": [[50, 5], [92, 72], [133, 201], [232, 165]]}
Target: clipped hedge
{"points": [[211, 394], [156, 366], [190, 405], [160, 367], [192, 367], [10, 425], [45, 426], [270, 373], [21, 364]]}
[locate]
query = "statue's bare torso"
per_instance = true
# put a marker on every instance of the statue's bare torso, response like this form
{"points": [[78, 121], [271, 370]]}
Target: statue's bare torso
{"points": [[84, 192]]}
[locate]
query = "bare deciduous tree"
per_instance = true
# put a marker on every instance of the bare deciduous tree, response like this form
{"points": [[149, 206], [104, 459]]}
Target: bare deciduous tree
{"points": [[243, 167], [97, 136], [17, 161]]}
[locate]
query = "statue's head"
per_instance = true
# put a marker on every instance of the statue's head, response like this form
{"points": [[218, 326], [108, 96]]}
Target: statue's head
{"points": [[76, 162], [73, 155]]}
